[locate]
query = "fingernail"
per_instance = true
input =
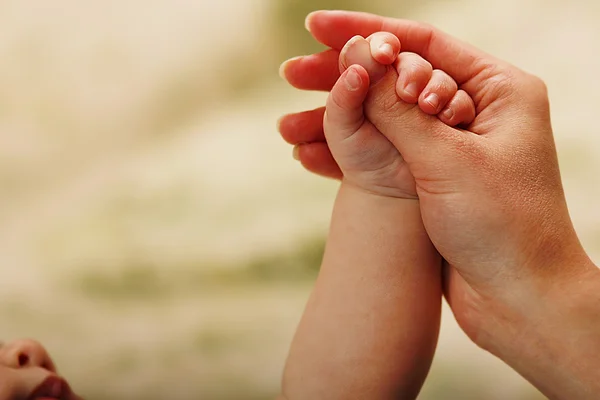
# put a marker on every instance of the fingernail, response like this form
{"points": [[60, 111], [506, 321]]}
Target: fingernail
{"points": [[296, 152], [411, 90], [279, 123], [387, 49], [354, 39], [282, 69], [284, 65], [448, 113], [433, 100], [353, 80], [307, 20]]}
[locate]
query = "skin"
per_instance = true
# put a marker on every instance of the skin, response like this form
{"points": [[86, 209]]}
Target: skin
{"points": [[370, 327], [27, 372], [492, 202], [367, 158]]}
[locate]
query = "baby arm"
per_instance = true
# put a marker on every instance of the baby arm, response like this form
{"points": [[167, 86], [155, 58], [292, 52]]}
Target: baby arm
{"points": [[370, 328]]}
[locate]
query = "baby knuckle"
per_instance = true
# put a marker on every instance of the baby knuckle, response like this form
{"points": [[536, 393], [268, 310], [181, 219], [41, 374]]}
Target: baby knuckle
{"points": [[422, 64], [445, 80], [414, 62]]}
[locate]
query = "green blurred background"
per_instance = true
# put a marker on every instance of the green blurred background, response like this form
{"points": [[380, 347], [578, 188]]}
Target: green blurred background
{"points": [[155, 232]]}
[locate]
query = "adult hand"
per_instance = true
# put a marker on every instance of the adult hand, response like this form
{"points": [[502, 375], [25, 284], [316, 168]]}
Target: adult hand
{"points": [[517, 278]]}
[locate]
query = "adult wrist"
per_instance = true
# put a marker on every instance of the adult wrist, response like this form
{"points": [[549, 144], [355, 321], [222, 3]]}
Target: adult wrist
{"points": [[553, 337]]}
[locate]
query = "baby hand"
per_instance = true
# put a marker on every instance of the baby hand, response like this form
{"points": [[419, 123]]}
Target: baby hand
{"points": [[365, 156]]}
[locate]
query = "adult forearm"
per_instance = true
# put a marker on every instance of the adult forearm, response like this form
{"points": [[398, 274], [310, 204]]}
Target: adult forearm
{"points": [[371, 324], [554, 341]]}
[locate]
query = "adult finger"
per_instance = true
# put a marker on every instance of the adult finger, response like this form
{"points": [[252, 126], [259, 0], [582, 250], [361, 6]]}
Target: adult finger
{"points": [[316, 158], [314, 72], [460, 60], [303, 127]]}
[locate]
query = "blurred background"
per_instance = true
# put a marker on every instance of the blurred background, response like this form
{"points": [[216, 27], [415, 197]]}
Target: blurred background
{"points": [[155, 232]]}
